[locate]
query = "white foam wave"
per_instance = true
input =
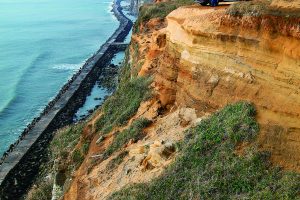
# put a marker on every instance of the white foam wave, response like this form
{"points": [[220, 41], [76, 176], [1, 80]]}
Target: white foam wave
{"points": [[68, 67]]}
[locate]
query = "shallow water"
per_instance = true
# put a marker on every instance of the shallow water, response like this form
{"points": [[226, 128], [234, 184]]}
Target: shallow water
{"points": [[42, 44]]}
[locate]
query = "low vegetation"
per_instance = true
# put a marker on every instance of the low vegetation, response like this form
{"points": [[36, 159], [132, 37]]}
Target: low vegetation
{"points": [[251, 8], [116, 161], [85, 147], [65, 155], [120, 107], [65, 141], [62, 148], [209, 168], [42, 192], [259, 8], [134, 132], [158, 10], [124, 103]]}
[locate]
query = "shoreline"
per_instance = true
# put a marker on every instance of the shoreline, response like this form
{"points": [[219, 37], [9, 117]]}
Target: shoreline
{"points": [[21, 161]]}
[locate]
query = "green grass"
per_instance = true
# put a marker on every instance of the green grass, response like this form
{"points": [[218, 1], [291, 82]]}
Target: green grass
{"points": [[125, 71], [116, 161], [134, 132], [260, 8], [63, 145], [125, 101], [255, 8], [208, 168], [117, 110], [158, 10], [61, 149], [43, 191], [65, 141], [85, 147], [77, 158], [121, 106]]}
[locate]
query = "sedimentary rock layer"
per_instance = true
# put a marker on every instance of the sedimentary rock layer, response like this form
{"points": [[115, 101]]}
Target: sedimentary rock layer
{"points": [[210, 59]]}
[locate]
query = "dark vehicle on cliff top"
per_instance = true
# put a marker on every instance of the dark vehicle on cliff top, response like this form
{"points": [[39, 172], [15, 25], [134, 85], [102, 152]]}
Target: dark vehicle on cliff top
{"points": [[206, 2]]}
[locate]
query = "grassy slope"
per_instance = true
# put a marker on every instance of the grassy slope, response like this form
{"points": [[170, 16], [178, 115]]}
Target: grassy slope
{"points": [[117, 110], [61, 151], [208, 167], [120, 107], [134, 132]]}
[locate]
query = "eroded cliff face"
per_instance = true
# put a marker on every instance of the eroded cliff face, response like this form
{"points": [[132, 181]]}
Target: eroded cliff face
{"points": [[205, 59], [202, 59]]}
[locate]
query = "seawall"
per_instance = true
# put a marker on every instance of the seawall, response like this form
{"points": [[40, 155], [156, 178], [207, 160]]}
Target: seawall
{"points": [[21, 163]]}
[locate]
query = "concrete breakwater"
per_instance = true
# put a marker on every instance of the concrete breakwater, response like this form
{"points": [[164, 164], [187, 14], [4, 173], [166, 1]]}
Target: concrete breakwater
{"points": [[21, 162]]}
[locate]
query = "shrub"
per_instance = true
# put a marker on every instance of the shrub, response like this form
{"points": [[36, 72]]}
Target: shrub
{"points": [[208, 168]]}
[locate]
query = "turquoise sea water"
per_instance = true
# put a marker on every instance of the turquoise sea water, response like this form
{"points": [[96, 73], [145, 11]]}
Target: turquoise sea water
{"points": [[42, 43]]}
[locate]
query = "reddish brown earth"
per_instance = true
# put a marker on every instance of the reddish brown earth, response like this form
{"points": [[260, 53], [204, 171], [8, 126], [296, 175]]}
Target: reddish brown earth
{"points": [[202, 59]]}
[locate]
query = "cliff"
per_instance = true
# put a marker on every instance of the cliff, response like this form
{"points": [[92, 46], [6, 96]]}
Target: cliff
{"points": [[223, 59], [180, 125]]}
